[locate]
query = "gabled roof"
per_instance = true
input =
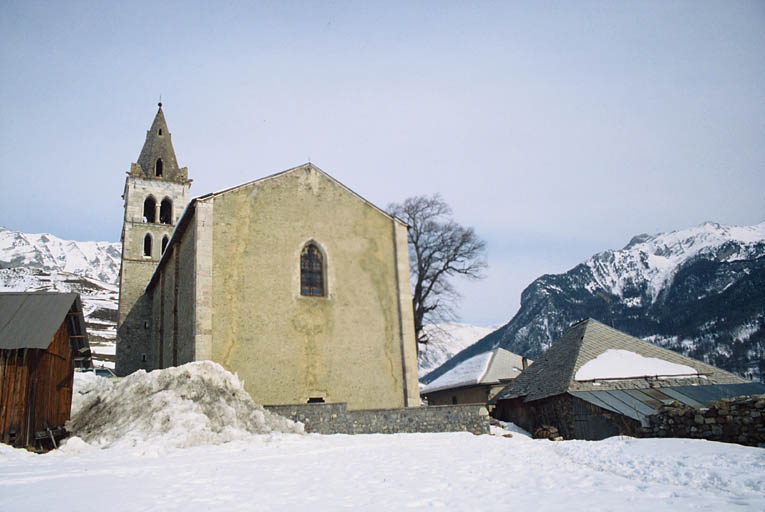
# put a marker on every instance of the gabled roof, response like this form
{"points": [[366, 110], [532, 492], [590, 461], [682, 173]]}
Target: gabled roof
{"points": [[29, 320], [189, 211], [487, 368], [307, 167], [555, 372]]}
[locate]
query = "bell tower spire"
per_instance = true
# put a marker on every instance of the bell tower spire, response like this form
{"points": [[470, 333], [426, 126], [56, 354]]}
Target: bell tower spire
{"points": [[157, 158], [156, 191]]}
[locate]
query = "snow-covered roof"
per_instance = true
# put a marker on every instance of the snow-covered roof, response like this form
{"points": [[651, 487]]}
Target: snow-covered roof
{"points": [[625, 364], [486, 368], [591, 356]]}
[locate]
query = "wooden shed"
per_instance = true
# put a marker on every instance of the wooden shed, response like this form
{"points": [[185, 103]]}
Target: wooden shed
{"points": [[42, 340]]}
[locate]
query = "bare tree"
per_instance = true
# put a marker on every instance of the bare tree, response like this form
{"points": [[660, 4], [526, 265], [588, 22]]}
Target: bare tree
{"points": [[439, 249]]}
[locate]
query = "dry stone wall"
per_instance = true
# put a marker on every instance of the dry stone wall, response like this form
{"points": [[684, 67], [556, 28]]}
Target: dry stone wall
{"points": [[732, 420]]}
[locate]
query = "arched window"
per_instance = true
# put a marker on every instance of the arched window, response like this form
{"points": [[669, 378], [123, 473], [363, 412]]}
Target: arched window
{"points": [[150, 210], [158, 167], [164, 243], [166, 211], [147, 245], [311, 271], [160, 131]]}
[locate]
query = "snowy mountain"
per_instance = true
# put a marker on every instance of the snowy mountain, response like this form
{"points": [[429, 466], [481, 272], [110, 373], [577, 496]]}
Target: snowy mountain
{"points": [[445, 340], [699, 291], [97, 260], [43, 262]]}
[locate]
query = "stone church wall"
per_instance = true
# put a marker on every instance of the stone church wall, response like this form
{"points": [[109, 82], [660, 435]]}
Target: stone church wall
{"points": [[356, 343], [337, 419]]}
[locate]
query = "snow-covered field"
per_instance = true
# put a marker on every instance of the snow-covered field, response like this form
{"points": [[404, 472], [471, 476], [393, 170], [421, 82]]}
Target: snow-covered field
{"points": [[131, 455]]}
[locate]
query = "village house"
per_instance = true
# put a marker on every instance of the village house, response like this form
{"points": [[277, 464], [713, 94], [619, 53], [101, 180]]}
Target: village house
{"points": [[596, 382], [42, 340], [292, 281], [476, 380]]}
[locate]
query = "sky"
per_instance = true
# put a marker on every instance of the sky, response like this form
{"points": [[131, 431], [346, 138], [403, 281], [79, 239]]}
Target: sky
{"points": [[556, 129]]}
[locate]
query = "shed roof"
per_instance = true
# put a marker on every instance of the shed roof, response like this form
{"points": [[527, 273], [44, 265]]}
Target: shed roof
{"points": [[487, 368], [554, 372], [641, 403], [30, 319]]}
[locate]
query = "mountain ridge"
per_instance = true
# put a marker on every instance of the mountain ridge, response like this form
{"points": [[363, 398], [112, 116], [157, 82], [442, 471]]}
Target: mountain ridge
{"points": [[699, 291]]}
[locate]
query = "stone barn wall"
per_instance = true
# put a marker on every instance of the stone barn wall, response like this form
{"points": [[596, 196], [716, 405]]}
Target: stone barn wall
{"points": [[574, 418], [731, 420]]}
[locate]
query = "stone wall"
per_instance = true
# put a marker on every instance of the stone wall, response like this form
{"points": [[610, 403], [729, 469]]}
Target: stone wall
{"points": [[335, 418], [731, 420]]}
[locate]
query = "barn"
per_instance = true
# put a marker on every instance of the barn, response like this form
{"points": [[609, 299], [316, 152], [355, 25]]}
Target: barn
{"points": [[42, 340], [596, 382]]}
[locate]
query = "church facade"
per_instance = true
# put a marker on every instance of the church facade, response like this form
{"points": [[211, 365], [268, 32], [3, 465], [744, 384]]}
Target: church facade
{"points": [[292, 281]]}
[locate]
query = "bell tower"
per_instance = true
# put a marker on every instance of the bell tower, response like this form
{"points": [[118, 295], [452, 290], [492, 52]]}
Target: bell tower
{"points": [[155, 195]]}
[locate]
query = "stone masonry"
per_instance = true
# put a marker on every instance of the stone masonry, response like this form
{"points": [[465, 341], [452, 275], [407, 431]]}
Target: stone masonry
{"points": [[335, 418], [732, 420]]}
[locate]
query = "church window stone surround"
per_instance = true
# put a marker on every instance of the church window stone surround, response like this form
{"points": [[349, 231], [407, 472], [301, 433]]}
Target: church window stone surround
{"points": [[166, 211], [150, 210], [311, 271], [147, 245]]}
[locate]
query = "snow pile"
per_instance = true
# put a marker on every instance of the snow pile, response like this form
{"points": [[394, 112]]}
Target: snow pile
{"points": [[195, 404], [620, 364]]}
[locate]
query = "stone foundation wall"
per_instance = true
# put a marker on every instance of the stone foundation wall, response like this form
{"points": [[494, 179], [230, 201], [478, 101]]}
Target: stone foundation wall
{"points": [[335, 418], [733, 420]]}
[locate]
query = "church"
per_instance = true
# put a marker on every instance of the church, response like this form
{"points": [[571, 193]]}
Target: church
{"points": [[292, 281]]}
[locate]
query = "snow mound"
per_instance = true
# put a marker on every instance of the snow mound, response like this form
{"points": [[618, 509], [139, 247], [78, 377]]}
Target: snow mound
{"points": [[195, 404], [619, 364]]}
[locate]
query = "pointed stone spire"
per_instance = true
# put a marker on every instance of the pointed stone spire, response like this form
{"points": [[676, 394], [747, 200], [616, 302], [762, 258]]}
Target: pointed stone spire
{"points": [[157, 159]]}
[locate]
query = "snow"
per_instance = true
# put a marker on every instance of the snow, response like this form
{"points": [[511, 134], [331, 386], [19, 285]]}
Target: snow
{"points": [[468, 372], [189, 405], [445, 340], [617, 364], [653, 260], [157, 442], [98, 260], [455, 472]]}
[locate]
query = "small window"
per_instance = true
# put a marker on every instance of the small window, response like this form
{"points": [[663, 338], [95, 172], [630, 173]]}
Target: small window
{"points": [[158, 168], [147, 245], [160, 131], [316, 400], [166, 211], [311, 271], [143, 357], [164, 243], [150, 210]]}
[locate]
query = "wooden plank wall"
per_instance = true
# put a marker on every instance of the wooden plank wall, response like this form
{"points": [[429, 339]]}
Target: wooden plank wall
{"points": [[35, 389], [54, 375], [14, 413]]}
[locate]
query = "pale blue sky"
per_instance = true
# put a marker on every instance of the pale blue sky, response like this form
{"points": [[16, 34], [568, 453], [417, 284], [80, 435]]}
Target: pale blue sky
{"points": [[557, 129]]}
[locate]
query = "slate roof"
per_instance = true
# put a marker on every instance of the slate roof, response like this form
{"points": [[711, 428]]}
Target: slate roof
{"points": [[30, 319], [485, 369], [553, 373]]}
